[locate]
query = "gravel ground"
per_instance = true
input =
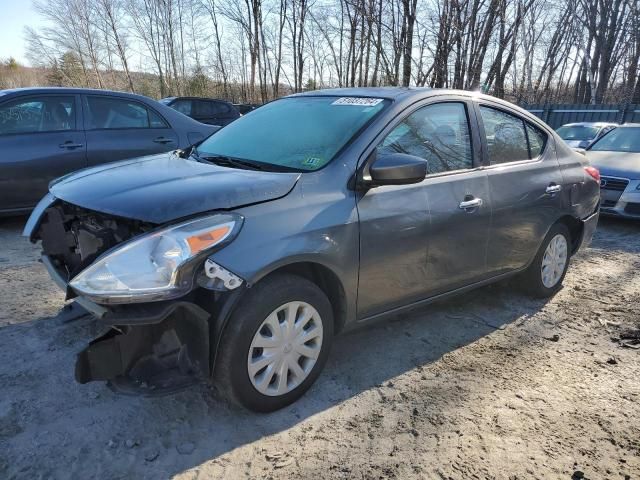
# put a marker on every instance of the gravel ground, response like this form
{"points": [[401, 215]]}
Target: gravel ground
{"points": [[489, 385]]}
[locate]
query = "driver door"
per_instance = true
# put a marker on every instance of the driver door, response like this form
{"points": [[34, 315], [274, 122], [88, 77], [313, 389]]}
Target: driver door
{"points": [[420, 240]]}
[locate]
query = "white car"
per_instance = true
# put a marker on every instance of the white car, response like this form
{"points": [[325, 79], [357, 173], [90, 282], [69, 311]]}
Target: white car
{"points": [[583, 134]]}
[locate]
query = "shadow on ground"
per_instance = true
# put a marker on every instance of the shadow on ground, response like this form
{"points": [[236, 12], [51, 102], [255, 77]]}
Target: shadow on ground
{"points": [[56, 417]]}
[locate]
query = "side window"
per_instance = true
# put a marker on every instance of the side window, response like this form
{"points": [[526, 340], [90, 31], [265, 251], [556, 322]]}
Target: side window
{"points": [[204, 108], [156, 121], [114, 113], [38, 114], [438, 133], [221, 108], [505, 135], [183, 106], [537, 140]]}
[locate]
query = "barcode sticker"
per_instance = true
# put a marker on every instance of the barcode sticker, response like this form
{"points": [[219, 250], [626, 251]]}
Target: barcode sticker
{"points": [[358, 101]]}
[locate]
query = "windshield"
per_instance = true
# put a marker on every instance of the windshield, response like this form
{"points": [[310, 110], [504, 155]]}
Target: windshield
{"points": [[619, 140], [578, 132], [301, 133]]}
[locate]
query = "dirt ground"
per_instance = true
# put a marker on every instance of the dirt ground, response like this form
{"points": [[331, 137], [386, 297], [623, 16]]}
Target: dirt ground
{"points": [[489, 385]]}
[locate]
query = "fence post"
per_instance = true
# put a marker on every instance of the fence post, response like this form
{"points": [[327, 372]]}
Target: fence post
{"points": [[545, 113], [625, 111]]}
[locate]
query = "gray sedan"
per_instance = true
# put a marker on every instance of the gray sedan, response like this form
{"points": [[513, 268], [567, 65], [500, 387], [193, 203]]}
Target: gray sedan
{"points": [[617, 156], [48, 132], [239, 260]]}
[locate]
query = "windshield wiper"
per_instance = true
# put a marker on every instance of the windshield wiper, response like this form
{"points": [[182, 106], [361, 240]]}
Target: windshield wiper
{"points": [[232, 162], [225, 161]]}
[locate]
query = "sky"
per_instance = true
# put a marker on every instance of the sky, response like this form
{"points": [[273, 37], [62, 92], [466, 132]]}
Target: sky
{"points": [[14, 16]]}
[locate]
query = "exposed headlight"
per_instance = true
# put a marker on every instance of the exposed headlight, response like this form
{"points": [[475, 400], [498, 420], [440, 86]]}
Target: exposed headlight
{"points": [[153, 266]]}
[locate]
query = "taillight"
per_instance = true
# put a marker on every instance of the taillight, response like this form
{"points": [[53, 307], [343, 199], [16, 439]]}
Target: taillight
{"points": [[594, 172]]}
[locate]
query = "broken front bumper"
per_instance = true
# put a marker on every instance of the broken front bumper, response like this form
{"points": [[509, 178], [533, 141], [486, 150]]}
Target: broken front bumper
{"points": [[149, 349], [168, 353]]}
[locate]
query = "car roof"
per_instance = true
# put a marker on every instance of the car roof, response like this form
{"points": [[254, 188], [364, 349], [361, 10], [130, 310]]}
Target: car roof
{"points": [[401, 93], [210, 99], [414, 94], [590, 124], [626, 125], [73, 91], [391, 93]]}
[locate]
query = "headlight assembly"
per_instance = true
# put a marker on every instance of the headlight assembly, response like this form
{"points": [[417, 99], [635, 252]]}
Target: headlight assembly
{"points": [[155, 266]]}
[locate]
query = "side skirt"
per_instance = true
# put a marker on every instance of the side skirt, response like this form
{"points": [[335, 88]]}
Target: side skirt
{"points": [[421, 303]]}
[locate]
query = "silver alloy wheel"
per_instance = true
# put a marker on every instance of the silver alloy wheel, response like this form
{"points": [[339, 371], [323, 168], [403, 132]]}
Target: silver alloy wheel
{"points": [[285, 348], [554, 261]]}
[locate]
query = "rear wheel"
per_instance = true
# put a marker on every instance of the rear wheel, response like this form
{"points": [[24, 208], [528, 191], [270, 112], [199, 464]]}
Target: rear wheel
{"points": [[546, 273], [276, 343]]}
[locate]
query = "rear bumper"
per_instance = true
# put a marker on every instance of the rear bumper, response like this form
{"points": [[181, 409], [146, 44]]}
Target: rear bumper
{"points": [[589, 226]]}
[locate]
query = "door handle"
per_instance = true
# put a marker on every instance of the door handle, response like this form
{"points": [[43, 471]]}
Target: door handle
{"points": [[163, 140], [553, 188], [71, 145], [469, 204]]}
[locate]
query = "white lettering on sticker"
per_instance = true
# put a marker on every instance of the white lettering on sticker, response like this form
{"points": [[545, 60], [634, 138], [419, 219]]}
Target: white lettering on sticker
{"points": [[358, 102]]}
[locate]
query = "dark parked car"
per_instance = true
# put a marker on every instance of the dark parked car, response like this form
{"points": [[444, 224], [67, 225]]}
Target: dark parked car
{"points": [[245, 108], [48, 132], [205, 110], [239, 260], [583, 134], [617, 156]]}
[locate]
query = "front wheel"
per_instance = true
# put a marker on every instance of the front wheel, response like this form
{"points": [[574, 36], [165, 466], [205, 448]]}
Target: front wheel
{"points": [[276, 343], [546, 273]]}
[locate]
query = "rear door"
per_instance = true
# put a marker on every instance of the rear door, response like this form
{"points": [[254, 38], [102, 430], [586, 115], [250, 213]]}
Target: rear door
{"points": [[118, 128], [420, 240], [525, 183], [41, 138]]}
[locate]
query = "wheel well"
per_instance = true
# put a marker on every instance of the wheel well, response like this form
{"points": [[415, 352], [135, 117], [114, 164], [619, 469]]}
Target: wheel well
{"points": [[327, 281], [575, 227]]}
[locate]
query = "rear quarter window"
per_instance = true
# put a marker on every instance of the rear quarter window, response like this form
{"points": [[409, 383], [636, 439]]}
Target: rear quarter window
{"points": [[537, 140], [510, 138]]}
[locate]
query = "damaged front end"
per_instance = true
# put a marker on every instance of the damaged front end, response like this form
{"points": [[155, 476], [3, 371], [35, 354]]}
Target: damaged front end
{"points": [[164, 349], [159, 339]]}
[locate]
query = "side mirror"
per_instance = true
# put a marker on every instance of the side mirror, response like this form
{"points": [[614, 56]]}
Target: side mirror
{"points": [[581, 151], [396, 169]]}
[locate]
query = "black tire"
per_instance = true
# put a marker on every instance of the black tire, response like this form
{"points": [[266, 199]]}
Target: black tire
{"points": [[231, 377], [532, 277]]}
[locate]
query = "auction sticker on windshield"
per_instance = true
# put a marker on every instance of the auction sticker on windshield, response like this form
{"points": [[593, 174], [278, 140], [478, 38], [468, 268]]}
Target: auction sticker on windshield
{"points": [[357, 101]]}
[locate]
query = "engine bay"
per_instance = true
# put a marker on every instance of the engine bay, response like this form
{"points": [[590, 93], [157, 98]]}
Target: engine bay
{"points": [[73, 237]]}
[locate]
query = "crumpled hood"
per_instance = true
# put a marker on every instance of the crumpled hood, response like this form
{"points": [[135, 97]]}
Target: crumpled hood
{"points": [[616, 164], [165, 187]]}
